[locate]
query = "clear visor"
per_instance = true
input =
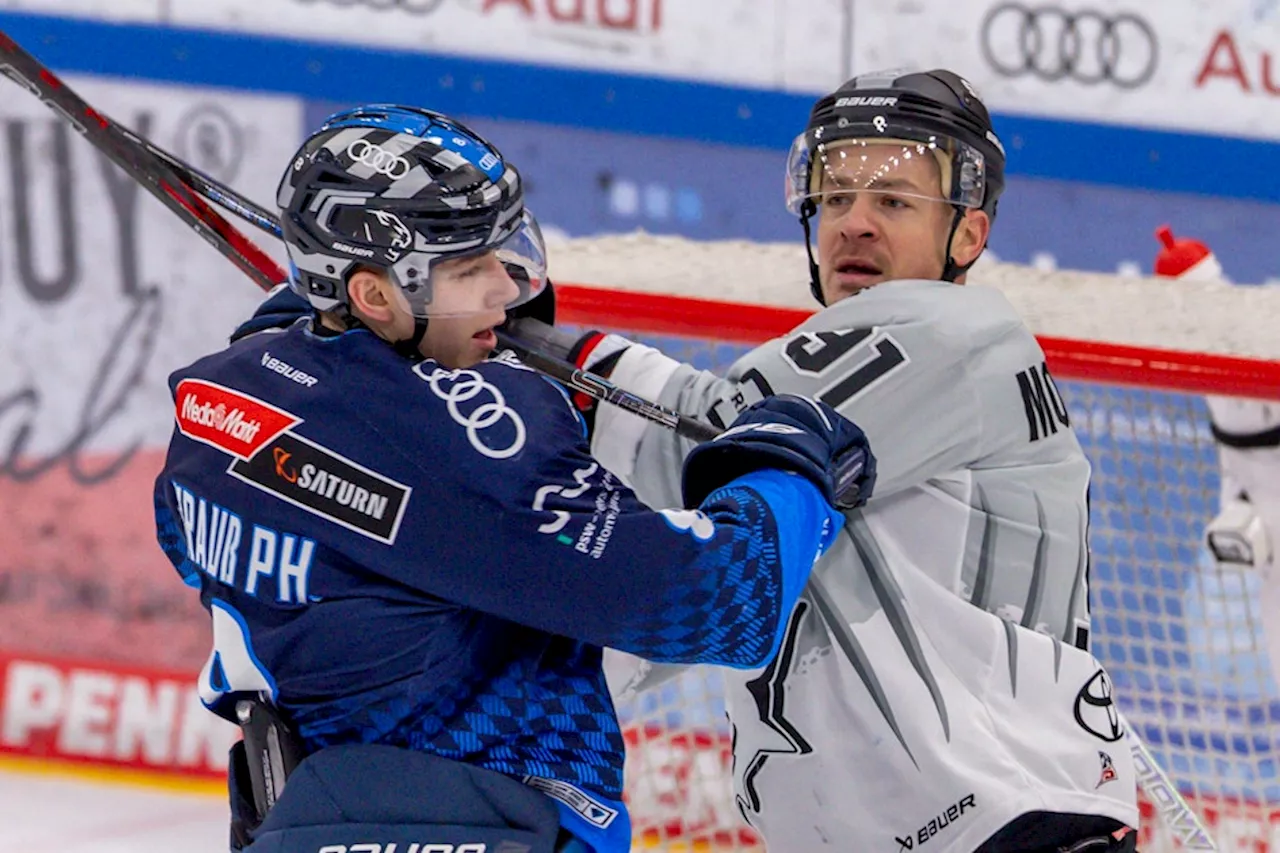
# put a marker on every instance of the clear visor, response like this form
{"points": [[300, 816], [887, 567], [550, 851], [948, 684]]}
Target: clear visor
{"points": [[935, 168], [487, 281]]}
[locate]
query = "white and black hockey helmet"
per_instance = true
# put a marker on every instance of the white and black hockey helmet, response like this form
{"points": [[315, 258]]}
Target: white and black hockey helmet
{"points": [[402, 189], [926, 113]]}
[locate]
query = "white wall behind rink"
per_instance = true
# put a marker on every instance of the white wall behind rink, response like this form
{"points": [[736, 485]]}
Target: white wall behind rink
{"points": [[102, 290]]}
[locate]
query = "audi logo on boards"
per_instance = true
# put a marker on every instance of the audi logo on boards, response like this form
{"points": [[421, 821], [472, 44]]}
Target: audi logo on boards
{"points": [[1054, 44], [382, 161]]}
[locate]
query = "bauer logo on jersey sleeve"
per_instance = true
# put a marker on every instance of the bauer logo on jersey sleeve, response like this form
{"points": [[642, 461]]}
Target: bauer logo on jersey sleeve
{"points": [[226, 419], [333, 487]]}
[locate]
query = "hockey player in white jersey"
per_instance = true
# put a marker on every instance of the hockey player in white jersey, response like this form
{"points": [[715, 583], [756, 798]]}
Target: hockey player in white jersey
{"points": [[935, 688]]}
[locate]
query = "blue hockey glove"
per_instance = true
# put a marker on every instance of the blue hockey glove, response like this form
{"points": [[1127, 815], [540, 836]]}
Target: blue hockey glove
{"points": [[280, 309], [786, 433]]}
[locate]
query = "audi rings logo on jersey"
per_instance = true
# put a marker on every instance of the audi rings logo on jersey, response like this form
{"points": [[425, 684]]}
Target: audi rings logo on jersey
{"points": [[382, 161], [494, 429], [1054, 44]]}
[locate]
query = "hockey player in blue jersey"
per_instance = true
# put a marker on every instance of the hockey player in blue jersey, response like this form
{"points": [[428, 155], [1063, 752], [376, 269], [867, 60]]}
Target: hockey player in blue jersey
{"points": [[406, 547]]}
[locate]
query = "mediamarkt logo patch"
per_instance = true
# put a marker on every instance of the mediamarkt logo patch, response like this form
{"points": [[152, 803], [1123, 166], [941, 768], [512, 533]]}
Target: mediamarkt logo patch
{"points": [[270, 457], [230, 421], [320, 481]]}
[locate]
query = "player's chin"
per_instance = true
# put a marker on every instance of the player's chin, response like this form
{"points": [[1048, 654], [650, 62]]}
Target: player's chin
{"points": [[841, 285]]}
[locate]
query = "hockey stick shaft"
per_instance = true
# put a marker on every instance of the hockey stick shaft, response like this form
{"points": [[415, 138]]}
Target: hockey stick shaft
{"points": [[213, 190], [606, 392], [125, 150], [588, 383], [182, 189], [1171, 805]]}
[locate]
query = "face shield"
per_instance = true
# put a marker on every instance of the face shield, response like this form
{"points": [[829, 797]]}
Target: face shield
{"points": [[829, 175], [489, 279], [449, 268]]}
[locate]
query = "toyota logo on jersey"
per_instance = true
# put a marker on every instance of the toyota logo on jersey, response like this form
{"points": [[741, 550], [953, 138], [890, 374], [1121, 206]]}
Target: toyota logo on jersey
{"points": [[1096, 710], [377, 158]]}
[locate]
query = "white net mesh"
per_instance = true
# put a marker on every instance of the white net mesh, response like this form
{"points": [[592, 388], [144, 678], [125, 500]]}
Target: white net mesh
{"points": [[1182, 639]]}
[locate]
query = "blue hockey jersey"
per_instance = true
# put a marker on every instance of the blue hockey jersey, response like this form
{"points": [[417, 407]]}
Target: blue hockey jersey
{"points": [[404, 554]]}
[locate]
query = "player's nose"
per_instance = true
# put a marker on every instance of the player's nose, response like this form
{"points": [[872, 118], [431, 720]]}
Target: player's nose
{"points": [[862, 221], [502, 288]]}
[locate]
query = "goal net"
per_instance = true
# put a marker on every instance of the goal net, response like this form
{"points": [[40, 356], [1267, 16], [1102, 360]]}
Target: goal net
{"points": [[1182, 639]]}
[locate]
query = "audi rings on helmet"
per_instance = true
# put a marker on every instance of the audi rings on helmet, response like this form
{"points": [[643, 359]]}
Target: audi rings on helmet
{"points": [[457, 387], [379, 159], [1053, 44]]}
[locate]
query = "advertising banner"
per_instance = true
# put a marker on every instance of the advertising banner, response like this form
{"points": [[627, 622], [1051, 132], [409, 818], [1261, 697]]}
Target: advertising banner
{"points": [[771, 44], [149, 11], [103, 293], [1205, 67], [1193, 65], [128, 717]]}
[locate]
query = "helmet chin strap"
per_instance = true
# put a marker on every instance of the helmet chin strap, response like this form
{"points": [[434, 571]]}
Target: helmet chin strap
{"points": [[950, 270], [807, 210], [408, 347]]}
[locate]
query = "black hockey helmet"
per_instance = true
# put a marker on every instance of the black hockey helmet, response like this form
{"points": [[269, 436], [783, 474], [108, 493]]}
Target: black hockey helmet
{"points": [[936, 113], [402, 189]]}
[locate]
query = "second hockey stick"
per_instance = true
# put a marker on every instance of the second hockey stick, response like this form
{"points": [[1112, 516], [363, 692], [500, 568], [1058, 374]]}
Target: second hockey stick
{"points": [[183, 189]]}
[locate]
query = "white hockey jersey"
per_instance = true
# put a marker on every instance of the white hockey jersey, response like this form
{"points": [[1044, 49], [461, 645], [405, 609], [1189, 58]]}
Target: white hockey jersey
{"points": [[934, 683]]}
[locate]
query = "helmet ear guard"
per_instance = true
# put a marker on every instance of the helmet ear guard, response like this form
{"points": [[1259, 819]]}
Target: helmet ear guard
{"points": [[935, 111]]}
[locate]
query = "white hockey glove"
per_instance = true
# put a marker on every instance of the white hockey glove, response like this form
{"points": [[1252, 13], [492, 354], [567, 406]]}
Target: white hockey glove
{"points": [[592, 351], [595, 352], [1237, 538]]}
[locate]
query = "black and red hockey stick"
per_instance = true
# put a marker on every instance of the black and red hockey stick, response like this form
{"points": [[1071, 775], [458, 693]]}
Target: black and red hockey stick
{"points": [[184, 189], [128, 151]]}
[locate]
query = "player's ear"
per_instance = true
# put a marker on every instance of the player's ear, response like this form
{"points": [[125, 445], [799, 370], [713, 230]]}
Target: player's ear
{"points": [[970, 237], [368, 290]]}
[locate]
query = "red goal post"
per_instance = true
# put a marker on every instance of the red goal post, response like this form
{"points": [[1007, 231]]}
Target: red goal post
{"points": [[746, 323]]}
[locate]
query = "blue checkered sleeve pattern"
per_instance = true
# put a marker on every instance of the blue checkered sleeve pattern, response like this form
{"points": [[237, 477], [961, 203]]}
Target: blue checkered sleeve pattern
{"points": [[528, 719], [730, 615]]}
